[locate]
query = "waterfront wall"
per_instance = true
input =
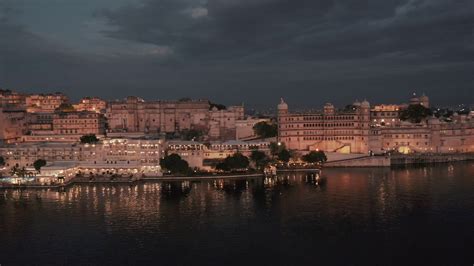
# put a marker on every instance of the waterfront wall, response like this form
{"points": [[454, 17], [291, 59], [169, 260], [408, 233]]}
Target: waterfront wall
{"points": [[429, 159], [367, 161], [399, 160]]}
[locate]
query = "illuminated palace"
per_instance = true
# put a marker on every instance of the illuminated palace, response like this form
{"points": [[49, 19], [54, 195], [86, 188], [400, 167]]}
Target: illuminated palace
{"points": [[343, 131], [360, 128], [137, 115]]}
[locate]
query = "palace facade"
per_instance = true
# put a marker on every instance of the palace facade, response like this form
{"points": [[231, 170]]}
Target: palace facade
{"points": [[44, 103], [362, 129], [344, 131], [137, 115], [110, 155]]}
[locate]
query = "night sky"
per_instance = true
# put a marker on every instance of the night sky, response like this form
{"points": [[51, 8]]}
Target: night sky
{"points": [[233, 51]]}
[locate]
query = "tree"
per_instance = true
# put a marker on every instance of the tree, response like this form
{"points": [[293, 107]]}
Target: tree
{"points": [[235, 162], [275, 148], [2, 161], [259, 158], [315, 157], [20, 172], [175, 164], [415, 113], [349, 108], [89, 139], [191, 134], [218, 106], [284, 155], [65, 107], [38, 164], [265, 130]]}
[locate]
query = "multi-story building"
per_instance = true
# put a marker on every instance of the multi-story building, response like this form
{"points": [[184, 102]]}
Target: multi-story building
{"points": [[44, 103], [108, 156], [206, 156], [343, 131], [422, 100], [379, 130], [13, 125], [222, 124], [385, 115], [430, 136], [38, 123], [91, 104], [137, 115], [78, 123], [9, 99], [244, 128]]}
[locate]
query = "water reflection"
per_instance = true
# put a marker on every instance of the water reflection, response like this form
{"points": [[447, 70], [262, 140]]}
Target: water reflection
{"points": [[344, 207]]}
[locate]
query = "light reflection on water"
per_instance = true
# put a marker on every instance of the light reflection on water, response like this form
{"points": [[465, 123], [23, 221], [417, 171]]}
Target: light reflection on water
{"points": [[354, 216]]}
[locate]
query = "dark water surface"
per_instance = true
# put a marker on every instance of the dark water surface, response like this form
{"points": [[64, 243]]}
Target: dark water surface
{"points": [[415, 216]]}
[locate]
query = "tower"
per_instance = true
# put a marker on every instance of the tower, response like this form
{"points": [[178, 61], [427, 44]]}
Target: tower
{"points": [[282, 108]]}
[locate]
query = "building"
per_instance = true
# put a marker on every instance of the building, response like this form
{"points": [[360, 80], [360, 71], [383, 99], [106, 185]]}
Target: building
{"points": [[63, 126], [91, 104], [11, 99], [13, 124], [78, 123], [379, 130], [244, 128], [332, 130], [430, 136], [422, 100], [207, 156], [38, 123], [124, 156], [44, 103], [137, 115], [385, 115], [222, 122]]}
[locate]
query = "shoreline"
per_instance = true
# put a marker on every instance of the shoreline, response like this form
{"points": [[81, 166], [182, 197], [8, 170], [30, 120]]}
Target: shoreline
{"points": [[148, 179], [400, 161]]}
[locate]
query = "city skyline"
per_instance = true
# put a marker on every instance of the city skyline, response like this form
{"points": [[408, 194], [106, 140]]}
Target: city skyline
{"points": [[309, 52], [266, 107]]}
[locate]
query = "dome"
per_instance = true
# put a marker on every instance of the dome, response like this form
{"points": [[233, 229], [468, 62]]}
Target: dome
{"points": [[356, 103], [414, 99], [365, 104], [282, 105]]}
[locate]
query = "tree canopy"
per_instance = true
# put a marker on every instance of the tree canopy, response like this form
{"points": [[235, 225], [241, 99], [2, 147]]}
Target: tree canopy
{"points": [[19, 171], [265, 130], [259, 158], [415, 113], [275, 148], [89, 139], [218, 106], [279, 150], [284, 155], [38, 164], [235, 162], [315, 157], [65, 107], [175, 164], [2, 161], [192, 134]]}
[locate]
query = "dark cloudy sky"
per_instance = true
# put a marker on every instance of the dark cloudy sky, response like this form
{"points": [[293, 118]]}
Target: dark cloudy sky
{"points": [[232, 51]]}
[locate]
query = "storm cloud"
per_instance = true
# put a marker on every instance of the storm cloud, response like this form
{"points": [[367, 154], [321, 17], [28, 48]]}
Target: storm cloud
{"points": [[255, 51]]}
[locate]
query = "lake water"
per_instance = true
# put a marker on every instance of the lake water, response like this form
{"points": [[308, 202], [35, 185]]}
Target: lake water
{"points": [[357, 217]]}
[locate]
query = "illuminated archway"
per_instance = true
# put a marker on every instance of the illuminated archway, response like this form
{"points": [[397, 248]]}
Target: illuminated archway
{"points": [[404, 150]]}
